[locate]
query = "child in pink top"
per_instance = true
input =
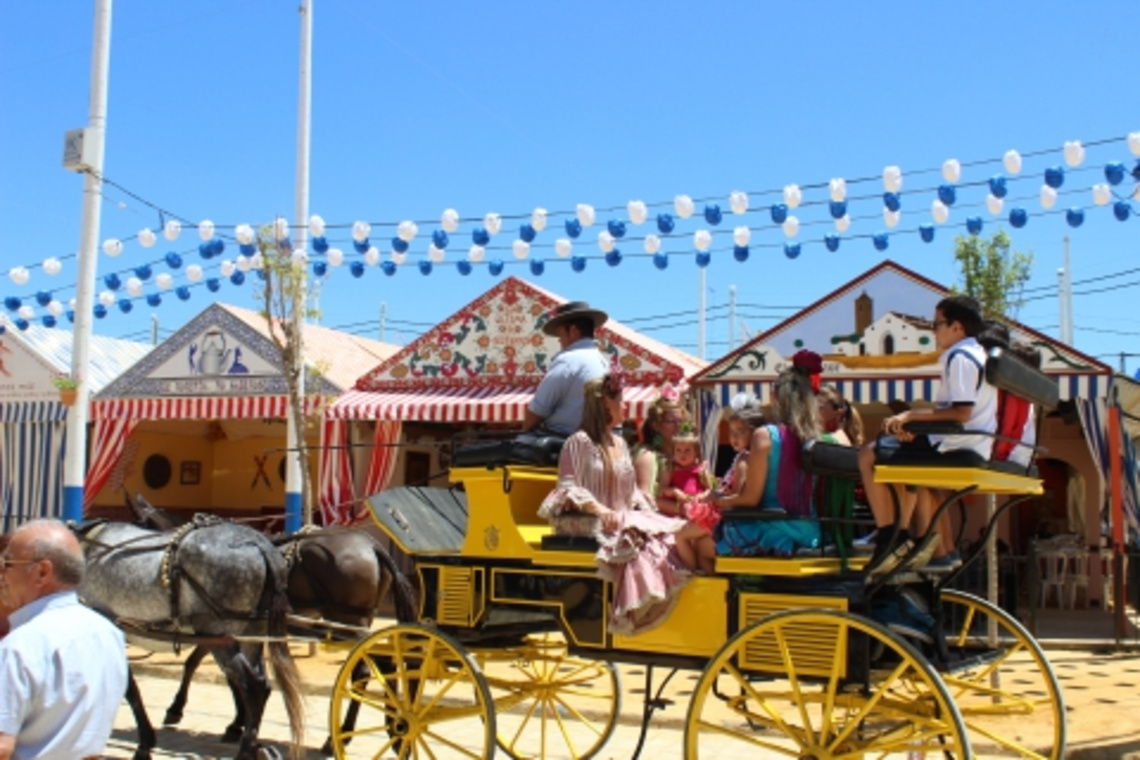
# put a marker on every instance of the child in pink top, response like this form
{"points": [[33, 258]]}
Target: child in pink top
{"points": [[690, 482]]}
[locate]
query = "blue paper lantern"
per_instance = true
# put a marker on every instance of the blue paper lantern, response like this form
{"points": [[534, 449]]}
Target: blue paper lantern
{"points": [[425, 267], [578, 263], [838, 209], [1136, 171], [11, 303], [204, 250], [495, 268], [70, 316], [261, 275], [399, 245], [173, 260], [1121, 211], [143, 272], [480, 236], [100, 310], [882, 241], [440, 239], [22, 324], [703, 259], [779, 213], [573, 229], [926, 232], [832, 242], [740, 253], [792, 250], [125, 305], [43, 297], [665, 223], [527, 233], [1018, 218], [948, 194], [48, 320], [463, 267], [153, 299], [3, 329], [182, 292], [892, 201], [1075, 217], [613, 258], [661, 260], [1055, 177], [112, 281], [1114, 172], [320, 268], [388, 267], [537, 267], [713, 214], [217, 246], [616, 228], [213, 284], [357, 268], [997, 186], [361, 246], [247, 249], [320, 244], [974, 225]]}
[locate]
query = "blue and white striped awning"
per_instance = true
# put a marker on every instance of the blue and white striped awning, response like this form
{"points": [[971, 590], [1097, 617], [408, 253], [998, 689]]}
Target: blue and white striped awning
{"points": [[33, 411]]}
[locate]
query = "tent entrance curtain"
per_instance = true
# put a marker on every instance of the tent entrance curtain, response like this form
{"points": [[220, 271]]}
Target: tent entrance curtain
{"points": [[338, 497], [31, 471], [109, 441]]}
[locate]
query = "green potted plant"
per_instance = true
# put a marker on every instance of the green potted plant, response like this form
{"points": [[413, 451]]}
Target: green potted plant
{"points": [[68, 388]]}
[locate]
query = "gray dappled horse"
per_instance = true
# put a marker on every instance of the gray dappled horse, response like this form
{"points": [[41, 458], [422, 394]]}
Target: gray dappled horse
{"points": [[209, 579], [340, 575]]}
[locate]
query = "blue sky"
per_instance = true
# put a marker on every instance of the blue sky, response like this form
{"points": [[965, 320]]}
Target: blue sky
{"points": [[507, 106]]}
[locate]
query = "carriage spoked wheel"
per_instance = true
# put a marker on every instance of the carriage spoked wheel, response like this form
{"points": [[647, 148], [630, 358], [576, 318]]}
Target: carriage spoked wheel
{"points": [[821, 684], [1005, 689], [548, 703], [423, 697]]}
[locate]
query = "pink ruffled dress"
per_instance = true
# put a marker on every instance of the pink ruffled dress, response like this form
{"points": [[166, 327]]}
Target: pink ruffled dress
{"points": [[640, 558]]}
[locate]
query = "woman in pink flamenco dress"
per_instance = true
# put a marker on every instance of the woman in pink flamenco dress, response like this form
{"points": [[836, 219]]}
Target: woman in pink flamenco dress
{"points": [[647, 556]]}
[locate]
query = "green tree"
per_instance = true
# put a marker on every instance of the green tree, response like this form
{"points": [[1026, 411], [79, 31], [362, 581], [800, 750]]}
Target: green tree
{"points": [[992, 273]]}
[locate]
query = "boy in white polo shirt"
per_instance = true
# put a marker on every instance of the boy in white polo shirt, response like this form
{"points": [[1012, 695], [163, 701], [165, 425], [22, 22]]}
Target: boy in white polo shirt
{"points": [[963, 397]]}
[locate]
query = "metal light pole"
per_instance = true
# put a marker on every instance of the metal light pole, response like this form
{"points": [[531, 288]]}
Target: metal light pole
{"points": [[75, 454]]}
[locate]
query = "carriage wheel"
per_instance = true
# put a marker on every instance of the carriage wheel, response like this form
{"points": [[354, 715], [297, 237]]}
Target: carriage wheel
{"points": [[1009, 695], [423, 697], [549, 704], [781, 688]]}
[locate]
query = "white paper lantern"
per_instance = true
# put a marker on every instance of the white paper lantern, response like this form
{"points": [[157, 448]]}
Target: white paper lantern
{"points": [[538, 219], [19, 275], [405, 230], [106, 297], [951, 170], [361, 231], [638, 212], [243, 263], [281, 228], [492, 222], [843, 223], [585, 213], [605, 241], [54, 307], [741, 236], [206, 229], [449, 220], [652, 244], [892, 179], [435, 254], [1012, 162], [243, 233], [476, 253], [372, 256], [52, 266], [226, 268], [1102, 194], [702, 239], [738, 202], [146, 237], [163, 281], [837, 189], [891, 218], [793, 196], [112, 247], [134, 286], [939, 211], [335, 257], [1048, 197], [399, 258], [300, 257], [1134, 143], [316, 226], [257, 261], [791, 226], [26, 312], [1074, 153], [72, 303], [194, 272], [994, 204], [563, 247], [172, 229], [683, 205], [520, 248]]}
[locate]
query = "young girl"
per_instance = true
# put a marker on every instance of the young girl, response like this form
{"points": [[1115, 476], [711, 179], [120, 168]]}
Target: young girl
{"points": [[690, 482], [743, 418]]}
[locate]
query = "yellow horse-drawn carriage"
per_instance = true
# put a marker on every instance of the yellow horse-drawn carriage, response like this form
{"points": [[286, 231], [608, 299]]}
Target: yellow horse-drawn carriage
{"points": [[513, 650]]}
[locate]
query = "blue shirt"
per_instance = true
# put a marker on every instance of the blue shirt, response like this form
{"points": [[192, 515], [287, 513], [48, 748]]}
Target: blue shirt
{"points": [[559, 399], [63, 673]]}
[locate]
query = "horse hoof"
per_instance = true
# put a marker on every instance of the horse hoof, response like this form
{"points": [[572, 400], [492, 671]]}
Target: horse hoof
{"points": [[141, 754], [232, 735], [326, 748], [173, 718]]}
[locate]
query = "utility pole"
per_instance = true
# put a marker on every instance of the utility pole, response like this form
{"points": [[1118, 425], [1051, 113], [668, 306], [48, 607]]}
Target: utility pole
{"points": [[1066, 287], [383, 319], [94, 142], [154, 329]]}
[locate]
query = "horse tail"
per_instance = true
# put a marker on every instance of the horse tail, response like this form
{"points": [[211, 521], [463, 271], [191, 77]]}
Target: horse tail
{"points": [[406, 601], [284, 668]]}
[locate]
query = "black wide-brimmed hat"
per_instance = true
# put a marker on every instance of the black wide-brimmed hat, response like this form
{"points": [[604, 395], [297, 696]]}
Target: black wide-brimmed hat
{"points": [[574, 310]]}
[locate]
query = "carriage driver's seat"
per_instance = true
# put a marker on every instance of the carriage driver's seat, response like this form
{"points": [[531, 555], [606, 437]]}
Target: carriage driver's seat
{"points": [[531, 448]]}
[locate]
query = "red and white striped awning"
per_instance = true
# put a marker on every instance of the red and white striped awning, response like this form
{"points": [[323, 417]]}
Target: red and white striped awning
{"points": [[197, 408], [506, 405]]}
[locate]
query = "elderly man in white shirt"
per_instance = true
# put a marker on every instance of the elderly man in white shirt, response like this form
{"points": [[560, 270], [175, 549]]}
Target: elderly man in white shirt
{"points": [[557, 403], [63, 667]]}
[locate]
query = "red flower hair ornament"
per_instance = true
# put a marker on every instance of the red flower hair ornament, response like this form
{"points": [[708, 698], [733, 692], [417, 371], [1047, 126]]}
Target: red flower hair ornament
{"points": [[615, 378], [809, 363]]}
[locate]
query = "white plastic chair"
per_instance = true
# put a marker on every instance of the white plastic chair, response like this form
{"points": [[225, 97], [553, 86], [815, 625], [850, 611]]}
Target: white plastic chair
{"points": [[1055, 564], [1076, 576]]}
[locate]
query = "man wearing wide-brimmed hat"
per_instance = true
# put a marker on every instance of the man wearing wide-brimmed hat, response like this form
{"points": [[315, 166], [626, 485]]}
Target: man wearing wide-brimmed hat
{"points": [[557, 403]]}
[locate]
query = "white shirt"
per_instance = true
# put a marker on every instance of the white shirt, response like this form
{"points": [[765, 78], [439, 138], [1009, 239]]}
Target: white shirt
{"points": [[559, 399], [63, 673], [964, 383]]}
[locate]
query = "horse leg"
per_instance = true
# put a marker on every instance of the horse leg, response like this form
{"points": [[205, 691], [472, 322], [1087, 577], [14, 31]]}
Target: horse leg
{"points": [[174, 712], [360, 676], [246, 671], [234, 731], [147, 738]]}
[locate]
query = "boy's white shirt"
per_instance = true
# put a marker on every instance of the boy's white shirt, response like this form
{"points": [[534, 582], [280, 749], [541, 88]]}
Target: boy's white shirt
{"points": [[959, 384]]}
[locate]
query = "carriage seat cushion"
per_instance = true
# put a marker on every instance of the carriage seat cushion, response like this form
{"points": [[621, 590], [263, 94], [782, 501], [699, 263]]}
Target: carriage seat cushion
{"points": [[525, 449], [830, 459]]}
